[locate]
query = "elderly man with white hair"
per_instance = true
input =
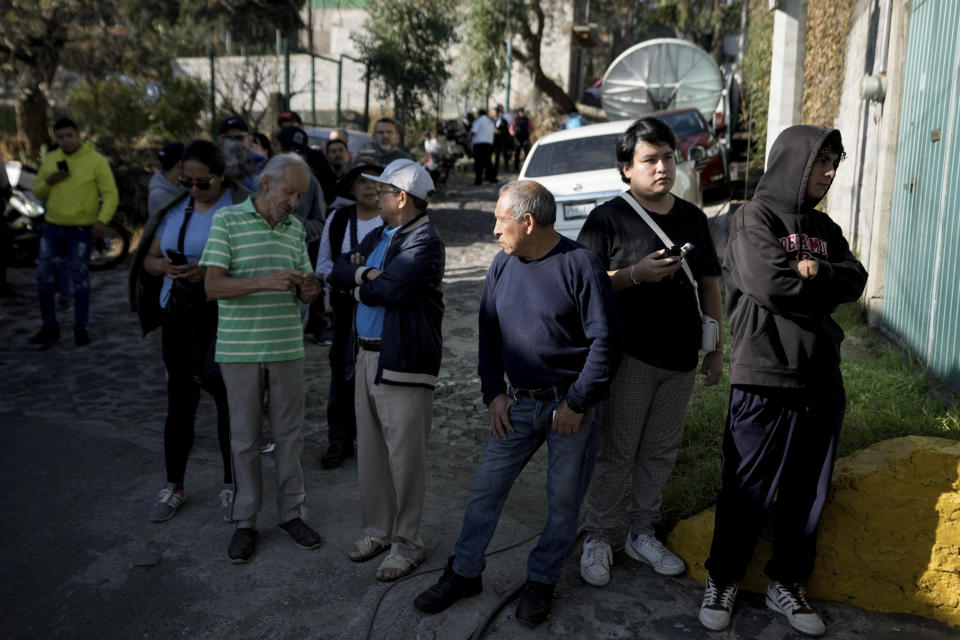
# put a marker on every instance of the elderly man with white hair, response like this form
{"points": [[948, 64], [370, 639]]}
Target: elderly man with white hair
{"points": [[257, 267]]}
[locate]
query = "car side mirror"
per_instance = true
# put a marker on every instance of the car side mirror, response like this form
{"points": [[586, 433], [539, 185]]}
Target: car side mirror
{"points": [[696, 153]]}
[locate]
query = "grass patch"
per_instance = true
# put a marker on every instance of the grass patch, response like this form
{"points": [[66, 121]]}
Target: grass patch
{"points": [[888, 396]]}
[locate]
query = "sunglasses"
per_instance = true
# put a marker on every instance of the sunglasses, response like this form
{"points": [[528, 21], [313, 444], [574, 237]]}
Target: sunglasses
{"points": [[202, 185]]}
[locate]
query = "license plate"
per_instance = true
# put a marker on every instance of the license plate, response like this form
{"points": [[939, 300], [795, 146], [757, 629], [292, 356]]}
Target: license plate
{"points": [[576, 211]]}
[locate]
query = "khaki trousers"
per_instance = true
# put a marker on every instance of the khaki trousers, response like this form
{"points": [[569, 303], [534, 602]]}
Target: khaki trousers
{"points": [[392, 427], [245, 385]]}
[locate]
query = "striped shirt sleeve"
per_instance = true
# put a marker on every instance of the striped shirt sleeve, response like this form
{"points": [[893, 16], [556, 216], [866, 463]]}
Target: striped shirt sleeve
{"points": [[218, 251]]}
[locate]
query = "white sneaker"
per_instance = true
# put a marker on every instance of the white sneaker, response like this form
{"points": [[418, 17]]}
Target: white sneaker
{"points": [[717, 605], [595, 562], [791, 601], [650, 550]]}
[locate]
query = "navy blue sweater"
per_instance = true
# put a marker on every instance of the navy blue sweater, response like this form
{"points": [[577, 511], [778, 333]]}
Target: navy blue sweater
{"points": [[549, 322]]}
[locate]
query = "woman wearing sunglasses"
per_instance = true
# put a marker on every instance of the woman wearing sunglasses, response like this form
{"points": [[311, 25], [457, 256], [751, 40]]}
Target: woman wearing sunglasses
{"points": [[166, 275]]}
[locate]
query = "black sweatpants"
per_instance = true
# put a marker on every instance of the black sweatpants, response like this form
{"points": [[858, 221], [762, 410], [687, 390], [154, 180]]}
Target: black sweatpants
{"points": [[188, 342], [783, 443]]}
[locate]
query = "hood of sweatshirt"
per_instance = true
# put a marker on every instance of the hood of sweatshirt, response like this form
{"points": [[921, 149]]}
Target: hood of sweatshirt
{"points": [[783, 187]]}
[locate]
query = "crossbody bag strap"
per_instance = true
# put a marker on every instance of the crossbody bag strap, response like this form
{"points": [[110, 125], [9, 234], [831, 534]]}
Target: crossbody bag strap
{"points": [[183, 227], [666, 240]]}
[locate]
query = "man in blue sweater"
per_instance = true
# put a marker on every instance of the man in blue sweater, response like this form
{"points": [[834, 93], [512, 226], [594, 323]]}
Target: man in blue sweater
{"points": [[548, 322]]}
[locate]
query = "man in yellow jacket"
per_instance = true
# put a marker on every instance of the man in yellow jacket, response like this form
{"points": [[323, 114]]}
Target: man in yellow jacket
{"points": [[81, 196]]}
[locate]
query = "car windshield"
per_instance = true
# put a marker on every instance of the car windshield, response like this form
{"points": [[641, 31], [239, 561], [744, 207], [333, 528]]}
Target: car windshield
{"points": [[685, 123], [573, 156]]}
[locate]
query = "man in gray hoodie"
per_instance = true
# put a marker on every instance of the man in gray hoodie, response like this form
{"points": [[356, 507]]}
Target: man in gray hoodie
{"points": [[787, 267]]}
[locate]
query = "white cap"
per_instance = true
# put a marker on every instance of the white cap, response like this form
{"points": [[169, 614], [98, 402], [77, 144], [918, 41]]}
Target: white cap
{"points": [[408, 176]]}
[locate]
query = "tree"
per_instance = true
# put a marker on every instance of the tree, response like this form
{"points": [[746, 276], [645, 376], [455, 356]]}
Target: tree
{"points": [[405, 44], [490, 22]]}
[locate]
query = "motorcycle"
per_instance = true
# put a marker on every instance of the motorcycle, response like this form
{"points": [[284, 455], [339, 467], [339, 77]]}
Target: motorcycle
{"points": [[442, 155], [24, 217]]}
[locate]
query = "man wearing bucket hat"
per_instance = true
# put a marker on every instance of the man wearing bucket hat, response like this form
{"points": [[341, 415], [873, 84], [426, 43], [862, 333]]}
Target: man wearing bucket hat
{"points": [[395, 275], [346, 227]]}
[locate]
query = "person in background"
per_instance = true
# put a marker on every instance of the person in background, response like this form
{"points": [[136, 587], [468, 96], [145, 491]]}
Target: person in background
{"points": [[481, 137], [82, 197], [521, 129], [502, 140], [239, 162], [345, 229], [316, 159], [386, 139], [338, 156], [260, 146], [165, 181], [174, 242]]}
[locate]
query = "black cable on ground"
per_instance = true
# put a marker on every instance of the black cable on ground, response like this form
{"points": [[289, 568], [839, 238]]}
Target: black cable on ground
{"points": [[479, 631]]}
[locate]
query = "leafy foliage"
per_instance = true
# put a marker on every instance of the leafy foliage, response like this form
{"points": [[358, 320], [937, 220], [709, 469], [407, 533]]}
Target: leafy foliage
{"points": [[828, 28], [756, 76], [406, 45]]}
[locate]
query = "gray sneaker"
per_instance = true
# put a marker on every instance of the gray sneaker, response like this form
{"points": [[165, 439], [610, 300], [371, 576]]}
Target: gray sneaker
{"points": [[168, 501], [226, 504]]}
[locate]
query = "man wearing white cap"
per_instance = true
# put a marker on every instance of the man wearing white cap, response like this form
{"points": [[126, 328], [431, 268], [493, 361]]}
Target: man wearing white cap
{"points": [[395, 276]]}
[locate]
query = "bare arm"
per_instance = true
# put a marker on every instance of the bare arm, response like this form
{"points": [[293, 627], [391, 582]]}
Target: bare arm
{"points": [[710, 304]]}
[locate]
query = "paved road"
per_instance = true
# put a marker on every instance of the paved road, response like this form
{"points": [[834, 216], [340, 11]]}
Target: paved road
{"points": [[81, 461]]}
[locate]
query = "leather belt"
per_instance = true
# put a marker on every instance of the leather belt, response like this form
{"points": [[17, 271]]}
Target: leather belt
{"points": [[369, 345], [545, 393]]}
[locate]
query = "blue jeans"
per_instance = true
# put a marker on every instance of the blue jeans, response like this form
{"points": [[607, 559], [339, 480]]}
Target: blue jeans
{"points": [[69, 247], [569, 467]]}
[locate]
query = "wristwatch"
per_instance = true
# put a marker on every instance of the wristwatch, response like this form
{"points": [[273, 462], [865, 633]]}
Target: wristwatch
{"points": [[574, 406]]}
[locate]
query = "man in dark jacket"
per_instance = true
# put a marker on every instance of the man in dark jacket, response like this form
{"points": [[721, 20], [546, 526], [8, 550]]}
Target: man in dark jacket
{"points": [[395, 276], [787, 267]]}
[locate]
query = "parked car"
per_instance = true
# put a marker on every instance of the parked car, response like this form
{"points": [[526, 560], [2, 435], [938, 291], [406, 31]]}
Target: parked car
{"points": [[358, 139], [698, 143], [579, 167]]}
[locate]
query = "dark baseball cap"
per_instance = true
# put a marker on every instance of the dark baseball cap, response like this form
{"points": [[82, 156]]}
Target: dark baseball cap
{"points": [[293, 138], [289, 116], [170, 154], [233, 122]]}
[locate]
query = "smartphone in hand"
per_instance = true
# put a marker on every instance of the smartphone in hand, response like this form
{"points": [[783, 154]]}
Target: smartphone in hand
{"points": [[62, 166], [176, 257]]}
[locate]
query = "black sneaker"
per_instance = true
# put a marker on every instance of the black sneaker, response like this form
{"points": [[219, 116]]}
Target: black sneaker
{"points": [[451, 587], [242, 545], [335, 456], [48, 334], [535, 602], [303, 536], [80, 337]]}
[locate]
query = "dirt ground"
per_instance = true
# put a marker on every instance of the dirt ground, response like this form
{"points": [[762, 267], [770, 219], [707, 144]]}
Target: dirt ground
{"points": [[81, 461]]}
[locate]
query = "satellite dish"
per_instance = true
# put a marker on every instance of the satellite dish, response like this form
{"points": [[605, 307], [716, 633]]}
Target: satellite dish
{"points": [[661, 74]]}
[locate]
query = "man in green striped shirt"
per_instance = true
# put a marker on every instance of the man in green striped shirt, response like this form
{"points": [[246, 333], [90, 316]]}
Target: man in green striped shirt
{"points": [[257, 267]]}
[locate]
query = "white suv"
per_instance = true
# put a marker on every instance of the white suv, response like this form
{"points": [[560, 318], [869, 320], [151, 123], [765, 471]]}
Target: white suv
{"points": [[579, 167]]}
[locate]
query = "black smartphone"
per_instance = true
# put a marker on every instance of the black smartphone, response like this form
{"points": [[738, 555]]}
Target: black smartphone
{"points": [[176, 257], [62, 166], [673, 251]]}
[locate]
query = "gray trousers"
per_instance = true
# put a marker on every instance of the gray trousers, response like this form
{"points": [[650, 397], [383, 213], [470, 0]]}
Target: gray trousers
{"points": [[392, 427], [641, 426], [245, 385]]}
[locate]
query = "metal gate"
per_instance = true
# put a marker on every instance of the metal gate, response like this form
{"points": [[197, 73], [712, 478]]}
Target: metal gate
{"points": [[921, 306]]}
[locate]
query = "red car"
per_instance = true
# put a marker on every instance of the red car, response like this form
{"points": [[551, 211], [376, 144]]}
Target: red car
{"points": [[693, 132]]}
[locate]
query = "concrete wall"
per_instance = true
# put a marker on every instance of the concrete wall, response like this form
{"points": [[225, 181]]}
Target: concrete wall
{"points": [[332, 28]]}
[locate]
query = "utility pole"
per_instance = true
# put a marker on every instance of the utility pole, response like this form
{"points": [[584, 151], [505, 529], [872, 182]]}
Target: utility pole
{"points": [[313, 75], [509, 59]]}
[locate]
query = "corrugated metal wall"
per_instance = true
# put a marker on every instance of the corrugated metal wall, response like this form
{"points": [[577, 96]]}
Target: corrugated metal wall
{"points": [[921, 306]]}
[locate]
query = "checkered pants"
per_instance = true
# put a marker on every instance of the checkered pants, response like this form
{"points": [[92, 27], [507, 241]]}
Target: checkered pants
{"points": [[641, 426]]}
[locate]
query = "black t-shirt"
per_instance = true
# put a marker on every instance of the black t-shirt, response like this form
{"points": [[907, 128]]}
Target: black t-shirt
{"points": [[659, 319]]}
